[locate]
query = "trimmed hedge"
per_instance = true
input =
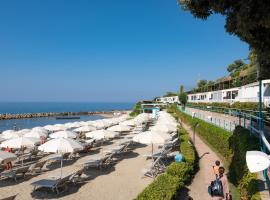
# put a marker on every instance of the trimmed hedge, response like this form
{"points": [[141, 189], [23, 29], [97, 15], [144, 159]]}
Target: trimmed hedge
{"points": [[164, 187], [217, 137], [136, 110], [232, 147], [236, 105], [168, 185]]}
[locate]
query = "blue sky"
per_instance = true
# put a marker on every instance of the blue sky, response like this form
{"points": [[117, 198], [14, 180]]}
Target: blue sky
{"points": [[105, 50]]}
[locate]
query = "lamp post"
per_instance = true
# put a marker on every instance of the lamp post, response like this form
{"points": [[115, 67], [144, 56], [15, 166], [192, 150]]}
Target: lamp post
{"points": [[194, 129]]}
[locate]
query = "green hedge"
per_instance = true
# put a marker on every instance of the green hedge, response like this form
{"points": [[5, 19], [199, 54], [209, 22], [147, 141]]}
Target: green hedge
{"points": [[168, 185], [236, 105], [164, 187], [136, 110], [217, 137], [232, 148]]}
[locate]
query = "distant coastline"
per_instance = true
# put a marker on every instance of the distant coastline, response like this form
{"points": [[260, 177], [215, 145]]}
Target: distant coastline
{"points": [[105, 114]]}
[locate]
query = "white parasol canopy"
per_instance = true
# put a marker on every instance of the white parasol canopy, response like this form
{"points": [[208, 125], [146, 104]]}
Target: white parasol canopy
{"points": [[129, 123], [120, 128], [85, 129], [63, 134], [163, 128], [40, 129], [20, 142], [152, 137], [10, 135], [100, 134], [61, 145], [35, 134]]}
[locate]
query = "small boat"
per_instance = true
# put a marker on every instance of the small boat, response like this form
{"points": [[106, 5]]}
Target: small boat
{"points": [[68, 117]]}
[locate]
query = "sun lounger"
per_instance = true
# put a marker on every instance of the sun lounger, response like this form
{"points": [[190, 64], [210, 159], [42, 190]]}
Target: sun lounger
{"points": [[76, 176], [52, 184], [13, 173], [161, 153], [99, 161], [38, 166], [154, 169], [173, 143]]}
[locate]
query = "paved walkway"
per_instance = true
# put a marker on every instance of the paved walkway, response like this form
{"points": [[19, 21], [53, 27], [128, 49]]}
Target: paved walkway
{"points": [[198, 189]]}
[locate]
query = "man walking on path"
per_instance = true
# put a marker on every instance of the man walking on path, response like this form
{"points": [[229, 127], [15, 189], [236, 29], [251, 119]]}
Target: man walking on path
{"points": [[225, 185]]}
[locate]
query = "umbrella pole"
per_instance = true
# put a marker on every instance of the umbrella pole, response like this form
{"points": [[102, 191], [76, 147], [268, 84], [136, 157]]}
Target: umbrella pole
{"points": [[61, 165], [152, 153]]}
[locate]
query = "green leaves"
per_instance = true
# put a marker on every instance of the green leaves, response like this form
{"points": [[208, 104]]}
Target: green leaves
{"points": [[249, 20]]}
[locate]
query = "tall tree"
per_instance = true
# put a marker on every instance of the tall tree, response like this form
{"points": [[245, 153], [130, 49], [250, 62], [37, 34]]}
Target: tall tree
{"points": [[236, 67], [181, 89], [249, 20], [201, 83]]}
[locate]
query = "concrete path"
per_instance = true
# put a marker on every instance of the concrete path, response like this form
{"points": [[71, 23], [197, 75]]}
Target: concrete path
{"points": [[198, 189]]}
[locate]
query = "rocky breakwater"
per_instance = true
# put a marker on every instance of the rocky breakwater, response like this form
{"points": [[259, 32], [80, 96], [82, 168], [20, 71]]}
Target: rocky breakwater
{"points": [[52, 114]]}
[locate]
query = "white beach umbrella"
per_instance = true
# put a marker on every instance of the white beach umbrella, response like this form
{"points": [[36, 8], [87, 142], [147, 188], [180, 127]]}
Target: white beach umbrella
{"points": [[63, 134], [99, 134], [82, 123], [61, 145], [49, 127], [35, 134], [11, 135], [59, 127], [72, 125], [41, 129], [152, 137], [110, 121], [120, 128], [6, 157], [171, 124], [99, 124], [23, 131], [129, 123], [85, 129], [163, 128], [6, 132], [20, 142]]}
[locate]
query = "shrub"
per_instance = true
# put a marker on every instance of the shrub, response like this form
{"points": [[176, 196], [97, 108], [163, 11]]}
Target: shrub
{"points": [[165, 187], [180, 170], [136, 110], [232, 148], [240, 143]]}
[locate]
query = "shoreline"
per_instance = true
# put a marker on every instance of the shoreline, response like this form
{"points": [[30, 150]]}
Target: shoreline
{"points": [[106, 114]]}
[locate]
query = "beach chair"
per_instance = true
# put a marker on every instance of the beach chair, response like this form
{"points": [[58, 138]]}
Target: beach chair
{"points": [[13, 173], [161, 153], [173, 143], [98, 161], [53, 184], [10, 197], [38, 166], [76, 176], [154, 169]]}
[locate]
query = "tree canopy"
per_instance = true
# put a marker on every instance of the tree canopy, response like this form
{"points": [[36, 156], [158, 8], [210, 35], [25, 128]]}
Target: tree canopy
{"points": [[236, 67], [249, 20], [201, 83]]}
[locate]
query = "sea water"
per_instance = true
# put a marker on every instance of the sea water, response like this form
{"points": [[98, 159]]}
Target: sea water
{"points": [[39, 107]]}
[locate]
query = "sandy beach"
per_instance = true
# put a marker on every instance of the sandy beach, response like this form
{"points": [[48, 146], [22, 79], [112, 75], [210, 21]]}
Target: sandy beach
{"points": [[122, 181]]}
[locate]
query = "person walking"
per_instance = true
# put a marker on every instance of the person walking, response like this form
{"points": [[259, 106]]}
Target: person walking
{"points": [[225, 186], [216, 168]]}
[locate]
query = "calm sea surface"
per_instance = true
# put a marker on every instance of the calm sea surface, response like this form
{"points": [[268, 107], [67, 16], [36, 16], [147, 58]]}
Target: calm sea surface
{"points": [[37, 107]]}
